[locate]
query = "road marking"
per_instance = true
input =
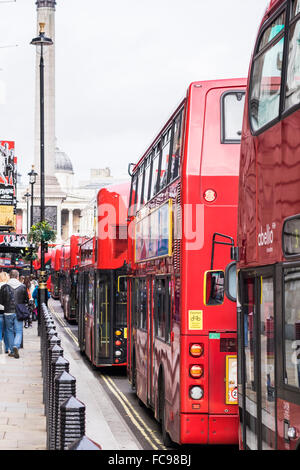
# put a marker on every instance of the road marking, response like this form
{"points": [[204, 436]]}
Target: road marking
{"points": [[129, 414], [66, 328], [143, 428], [125, 399]]}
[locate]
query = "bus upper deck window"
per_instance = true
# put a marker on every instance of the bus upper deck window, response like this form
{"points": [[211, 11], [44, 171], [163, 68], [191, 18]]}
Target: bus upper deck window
{"points": [[214, 287], [232, 117], [265, 82], [292, 92], [295, 8]]}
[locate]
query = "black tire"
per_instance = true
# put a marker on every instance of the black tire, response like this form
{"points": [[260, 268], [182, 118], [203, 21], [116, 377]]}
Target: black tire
{"points": [[162, 415]]}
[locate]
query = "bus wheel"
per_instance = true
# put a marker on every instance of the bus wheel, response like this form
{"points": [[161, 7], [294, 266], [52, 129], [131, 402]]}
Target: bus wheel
{"points": [[133, 376], [162, 414]]}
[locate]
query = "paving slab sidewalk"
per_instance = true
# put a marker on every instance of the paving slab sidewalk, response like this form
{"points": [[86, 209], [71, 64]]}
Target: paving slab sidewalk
{"points": [[22, 419]]}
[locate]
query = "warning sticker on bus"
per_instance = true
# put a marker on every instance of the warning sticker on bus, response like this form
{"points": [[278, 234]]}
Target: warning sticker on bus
{"points": [[195, 319], [231, 380]]}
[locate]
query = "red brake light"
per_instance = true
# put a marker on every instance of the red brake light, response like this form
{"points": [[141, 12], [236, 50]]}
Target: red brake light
{"points": [[118, 343], [196, 350]]}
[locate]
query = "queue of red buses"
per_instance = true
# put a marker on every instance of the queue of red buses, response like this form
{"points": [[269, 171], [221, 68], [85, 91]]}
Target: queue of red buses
{"points": [[268, 237], [182, 342], [68, 277], [102, 281], [55, 270]]}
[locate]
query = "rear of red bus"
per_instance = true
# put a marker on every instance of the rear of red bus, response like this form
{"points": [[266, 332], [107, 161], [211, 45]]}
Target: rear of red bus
{"points": [[103, 282], [188, 373]]}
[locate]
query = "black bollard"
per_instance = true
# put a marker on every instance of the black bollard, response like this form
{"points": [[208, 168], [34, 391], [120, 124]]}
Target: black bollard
{"points": [[58, 366], [84, 443], [54, 352], [72, 422], [65, 387]]}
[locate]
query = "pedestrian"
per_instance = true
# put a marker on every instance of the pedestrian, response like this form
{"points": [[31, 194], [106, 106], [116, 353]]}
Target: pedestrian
{"points": [[4, 278], [14, 298], [31, 303], [34, 285]]}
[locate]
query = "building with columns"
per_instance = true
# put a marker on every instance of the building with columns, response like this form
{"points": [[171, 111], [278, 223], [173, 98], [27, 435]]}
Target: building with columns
{"points": [[75, 210]]}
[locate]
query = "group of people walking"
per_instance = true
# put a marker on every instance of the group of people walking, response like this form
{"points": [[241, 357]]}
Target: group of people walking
{"points": [[18, 306]]}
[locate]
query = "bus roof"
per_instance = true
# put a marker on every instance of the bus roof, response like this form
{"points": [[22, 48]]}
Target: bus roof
{"points": [[207, 84]]}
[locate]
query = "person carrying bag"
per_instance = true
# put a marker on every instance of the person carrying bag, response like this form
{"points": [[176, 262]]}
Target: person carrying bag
{"points": [[14, 298]]}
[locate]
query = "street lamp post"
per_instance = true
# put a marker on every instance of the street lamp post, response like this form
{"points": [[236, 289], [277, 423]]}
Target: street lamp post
{"points": [[42, 41], [32, 180], [27, 196]]}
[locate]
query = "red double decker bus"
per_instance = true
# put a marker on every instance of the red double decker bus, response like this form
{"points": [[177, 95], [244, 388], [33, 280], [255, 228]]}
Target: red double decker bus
{"points": [[102, 281], [55, 269], [183, 213], [69, 279], [268, 237]]}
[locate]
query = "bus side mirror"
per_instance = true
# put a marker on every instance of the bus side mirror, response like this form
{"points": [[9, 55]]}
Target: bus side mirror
{"points": [[230, 281], [214, 287]]}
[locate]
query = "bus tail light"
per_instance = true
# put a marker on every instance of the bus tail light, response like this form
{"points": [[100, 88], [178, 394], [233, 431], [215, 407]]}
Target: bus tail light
{"points": [[118, 342], [118, 353], [118, 332], [196, 393], [196, 350], [196, 371]]}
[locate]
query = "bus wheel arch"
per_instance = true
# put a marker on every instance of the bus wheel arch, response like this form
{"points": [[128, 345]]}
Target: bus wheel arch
{"points": [[161, 412]]}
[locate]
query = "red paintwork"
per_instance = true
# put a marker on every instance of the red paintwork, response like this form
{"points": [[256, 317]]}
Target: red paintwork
{"points": [[70, 256], [55, 269], [112, 203], [106, 251], [268, 194], [202, 168]]}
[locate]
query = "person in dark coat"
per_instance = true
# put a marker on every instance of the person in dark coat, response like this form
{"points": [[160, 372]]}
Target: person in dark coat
{"points": [[11, 294]]}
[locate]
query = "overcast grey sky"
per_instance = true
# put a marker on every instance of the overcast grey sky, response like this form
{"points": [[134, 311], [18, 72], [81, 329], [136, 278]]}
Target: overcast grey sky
{"points": [[122, 66]]}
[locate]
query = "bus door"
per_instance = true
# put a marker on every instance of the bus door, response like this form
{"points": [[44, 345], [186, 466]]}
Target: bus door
{"points": [[103, 326], [257, 401], [151, 338]]}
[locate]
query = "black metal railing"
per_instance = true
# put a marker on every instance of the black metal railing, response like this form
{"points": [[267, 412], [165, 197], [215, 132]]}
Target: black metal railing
{"points": [[65, 414]]}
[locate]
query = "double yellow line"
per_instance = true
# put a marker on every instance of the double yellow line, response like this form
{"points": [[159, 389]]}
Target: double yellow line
{"points": [[64, 325], [132, 414]]}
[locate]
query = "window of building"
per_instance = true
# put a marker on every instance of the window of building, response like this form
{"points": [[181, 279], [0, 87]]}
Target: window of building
{"points": [[292, 326], [266, 76], [232, 117]]}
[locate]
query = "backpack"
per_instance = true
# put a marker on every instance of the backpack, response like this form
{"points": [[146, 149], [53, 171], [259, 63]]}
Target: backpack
{"points": [[22, 311]]}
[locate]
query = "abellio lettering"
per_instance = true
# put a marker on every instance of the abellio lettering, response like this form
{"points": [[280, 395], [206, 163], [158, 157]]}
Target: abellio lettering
{"points": [[265, 238]]}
